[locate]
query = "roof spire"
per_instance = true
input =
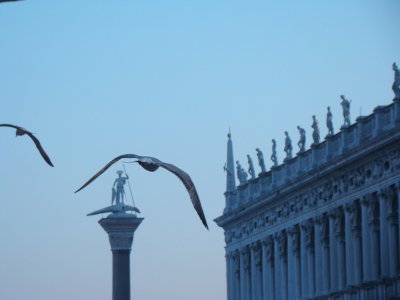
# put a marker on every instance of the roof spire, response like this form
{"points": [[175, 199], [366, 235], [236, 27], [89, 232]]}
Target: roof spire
{"points": [[230, 166]]}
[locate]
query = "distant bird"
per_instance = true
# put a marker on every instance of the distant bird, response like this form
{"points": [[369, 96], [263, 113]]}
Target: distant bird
{"points": [[152, 164], [21, 131]]}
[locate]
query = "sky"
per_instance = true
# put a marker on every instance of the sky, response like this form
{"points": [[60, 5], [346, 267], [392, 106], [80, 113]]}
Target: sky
{"points": [[96, 79]]}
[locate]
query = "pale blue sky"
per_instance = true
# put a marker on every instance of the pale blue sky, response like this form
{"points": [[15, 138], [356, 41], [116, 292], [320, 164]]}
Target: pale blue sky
{"points": [[95, 79]]}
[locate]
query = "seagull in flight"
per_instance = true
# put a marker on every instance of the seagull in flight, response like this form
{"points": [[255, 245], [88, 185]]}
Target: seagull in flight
{"points": [[21, 131], [152, 164]]}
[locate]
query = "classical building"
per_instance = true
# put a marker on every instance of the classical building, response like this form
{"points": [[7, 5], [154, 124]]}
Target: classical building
{"points": [[322, 225]]}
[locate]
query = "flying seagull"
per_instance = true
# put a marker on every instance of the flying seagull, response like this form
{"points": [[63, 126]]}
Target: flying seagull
{"points": [[21, 131], [152, 164]]}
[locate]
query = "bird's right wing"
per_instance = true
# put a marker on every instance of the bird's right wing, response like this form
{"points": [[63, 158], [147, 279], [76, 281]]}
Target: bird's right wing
{"points": [[106, 167], [189, 185]]}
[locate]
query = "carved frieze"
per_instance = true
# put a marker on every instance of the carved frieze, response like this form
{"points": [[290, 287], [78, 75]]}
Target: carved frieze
{"points": [[328, 191]]}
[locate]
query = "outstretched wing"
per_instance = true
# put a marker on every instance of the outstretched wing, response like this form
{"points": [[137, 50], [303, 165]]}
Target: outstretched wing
{"points": [[40, 148], [189, 185], [10, 125], [34, 139], [106, 167]]}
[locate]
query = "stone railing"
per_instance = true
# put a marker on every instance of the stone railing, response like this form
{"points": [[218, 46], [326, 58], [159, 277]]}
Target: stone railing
{"points": [[353, 138]]}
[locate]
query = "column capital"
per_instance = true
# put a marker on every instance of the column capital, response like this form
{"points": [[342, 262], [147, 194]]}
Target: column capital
{"points": [[324, 230], [120, 228]]}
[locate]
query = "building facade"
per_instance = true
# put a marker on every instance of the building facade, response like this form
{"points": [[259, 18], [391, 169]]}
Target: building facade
{"points": [[322, 225]]}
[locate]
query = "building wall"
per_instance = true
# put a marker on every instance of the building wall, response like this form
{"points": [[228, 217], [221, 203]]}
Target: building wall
{"points": [[323, 225]]}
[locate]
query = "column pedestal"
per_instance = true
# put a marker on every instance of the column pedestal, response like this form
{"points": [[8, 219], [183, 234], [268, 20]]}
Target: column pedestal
{"points": [[120, 228]]}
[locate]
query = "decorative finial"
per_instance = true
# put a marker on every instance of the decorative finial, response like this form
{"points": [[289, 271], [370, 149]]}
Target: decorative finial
{"points": [[229, 133]]}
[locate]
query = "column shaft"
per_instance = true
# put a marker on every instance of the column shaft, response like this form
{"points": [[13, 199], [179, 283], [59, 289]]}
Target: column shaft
{"points": [[366, 240], [121, 275]]}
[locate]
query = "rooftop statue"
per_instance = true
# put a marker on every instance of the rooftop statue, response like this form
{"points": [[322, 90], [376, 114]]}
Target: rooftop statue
{"points": [[396, 82], [329, 121], [152, 164], [261, 160], [288, 146], [274, 156], [251, 170], [346, 111], [22, 131], [315, 127], [302, 141], [241, 173]]}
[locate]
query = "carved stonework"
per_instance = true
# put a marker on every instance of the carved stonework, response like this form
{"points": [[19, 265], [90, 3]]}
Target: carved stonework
{"points": [[339, 222], [328, 191], [246, 258], [294, 233], [269, 246], [257, 255], [373, 211], [282, 244], [308, 227], [324, 230], [236, 263]]}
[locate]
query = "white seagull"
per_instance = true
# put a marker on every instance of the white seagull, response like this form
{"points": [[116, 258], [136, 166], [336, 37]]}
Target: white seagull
{"points": [[152, 164], [21, 131]]}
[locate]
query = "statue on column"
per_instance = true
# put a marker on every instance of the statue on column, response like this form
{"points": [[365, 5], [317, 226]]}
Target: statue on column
{"points": [[261, 160], [119, 193], [274, 156], [329, 122], [302, 141], [251, 170], [346, 111], [396, 82], [288, 146], [315, 127]]}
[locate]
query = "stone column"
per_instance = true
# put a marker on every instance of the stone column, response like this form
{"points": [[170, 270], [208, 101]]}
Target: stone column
{"points": [[120, 228], [258, 262], [304, 262], [294, 275], [356, 228], [324, 236], [268, 268], [253, 275], [310, 245], [242, 275], [282, 249], [349, 239], [341, 248], [318, 257], [229, 275], [384, 233], [374, 227], [278, 269], [366, 238], [236, 276], [247, 272], [393, 230], [333, 259]]}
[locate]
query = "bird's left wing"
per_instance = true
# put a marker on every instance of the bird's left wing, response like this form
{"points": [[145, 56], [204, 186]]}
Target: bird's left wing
{"points": [[106, 167], [40, 148], [189, 185]]}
